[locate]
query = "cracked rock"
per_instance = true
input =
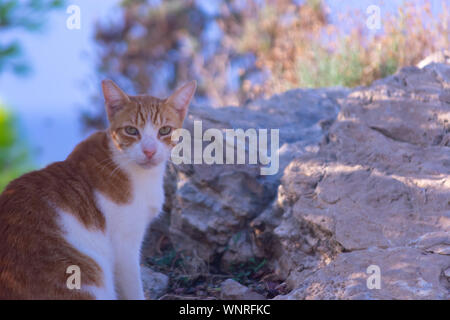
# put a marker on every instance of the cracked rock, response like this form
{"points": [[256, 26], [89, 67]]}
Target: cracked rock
{"points": [[376, 192], [155, 283], [233, 290], [368, 187]]}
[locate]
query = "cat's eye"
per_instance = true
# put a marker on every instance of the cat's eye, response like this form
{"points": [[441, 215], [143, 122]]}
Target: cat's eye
{"points": [[164, 131], [132, 131]]}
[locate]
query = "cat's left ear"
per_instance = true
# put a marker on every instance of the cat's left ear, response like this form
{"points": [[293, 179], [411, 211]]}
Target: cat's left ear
{"points": [[181, 98], [115, 98]]}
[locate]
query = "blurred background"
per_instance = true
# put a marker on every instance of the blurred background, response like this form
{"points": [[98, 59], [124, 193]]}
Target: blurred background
{"points": [[237, 50]]}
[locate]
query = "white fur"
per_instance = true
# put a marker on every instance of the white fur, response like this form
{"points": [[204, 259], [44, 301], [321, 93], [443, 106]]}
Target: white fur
{"points": [[126, 226], [94, 244], [134, 156], [117, 250]]}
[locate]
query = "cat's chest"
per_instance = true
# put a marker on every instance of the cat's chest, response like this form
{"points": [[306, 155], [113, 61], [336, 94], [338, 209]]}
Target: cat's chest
{"points": [[146, 200], [146, 196]]}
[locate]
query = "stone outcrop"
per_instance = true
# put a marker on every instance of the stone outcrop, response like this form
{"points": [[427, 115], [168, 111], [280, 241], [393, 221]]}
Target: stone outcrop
{"points": [[442, 56], [233, 290], [155, 283], [209, 207], [376, 193], [364, 181]]}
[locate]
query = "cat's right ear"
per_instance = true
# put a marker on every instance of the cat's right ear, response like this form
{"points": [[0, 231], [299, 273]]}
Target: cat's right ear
{"points": [[181, 98], [115, 98]]}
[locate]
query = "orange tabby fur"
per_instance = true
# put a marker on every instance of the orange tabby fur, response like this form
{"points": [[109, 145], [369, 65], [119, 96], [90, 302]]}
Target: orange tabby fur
{"points": [[34, 255]]}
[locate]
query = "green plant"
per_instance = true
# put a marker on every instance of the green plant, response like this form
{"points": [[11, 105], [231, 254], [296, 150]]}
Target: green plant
{"points": [[167, 260], [267, 48], [14, 157], [244, 271], [27, 15]]}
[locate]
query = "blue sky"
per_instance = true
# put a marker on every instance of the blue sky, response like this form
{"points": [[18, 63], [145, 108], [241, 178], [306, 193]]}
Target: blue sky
{"points": [[61, 60], [48, 101]]}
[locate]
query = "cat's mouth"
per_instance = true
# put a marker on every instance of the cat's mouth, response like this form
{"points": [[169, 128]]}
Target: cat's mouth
{"points": [[148, 164]]}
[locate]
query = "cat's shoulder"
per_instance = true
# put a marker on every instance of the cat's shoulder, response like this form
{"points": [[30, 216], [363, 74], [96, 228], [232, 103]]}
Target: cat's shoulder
{"points": [[95, 143]]}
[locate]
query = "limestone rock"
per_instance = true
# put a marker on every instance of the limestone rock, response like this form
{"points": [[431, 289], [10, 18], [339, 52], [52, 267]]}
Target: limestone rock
{"points": [[364, 180], [155, 283], [405, 273], [442, 56], [209, 205], [377, 192], [233, 290]]}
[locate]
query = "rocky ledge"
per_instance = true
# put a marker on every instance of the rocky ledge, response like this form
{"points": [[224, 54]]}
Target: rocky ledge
{"points": [[363, 185]]}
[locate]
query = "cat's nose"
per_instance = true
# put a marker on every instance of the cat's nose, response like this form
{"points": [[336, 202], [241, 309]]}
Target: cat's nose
{"points": [[149, 153]]}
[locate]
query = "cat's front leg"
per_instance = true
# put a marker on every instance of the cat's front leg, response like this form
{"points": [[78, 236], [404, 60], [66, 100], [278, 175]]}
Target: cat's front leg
{"points": [[128, 277]]}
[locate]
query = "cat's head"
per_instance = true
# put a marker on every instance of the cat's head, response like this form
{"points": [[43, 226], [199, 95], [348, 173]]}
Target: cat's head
{"points": [[141, 126]]}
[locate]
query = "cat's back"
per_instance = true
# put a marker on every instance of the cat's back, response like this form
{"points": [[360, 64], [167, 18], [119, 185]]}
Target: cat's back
{"points": [[34, 254], [66, 184]]}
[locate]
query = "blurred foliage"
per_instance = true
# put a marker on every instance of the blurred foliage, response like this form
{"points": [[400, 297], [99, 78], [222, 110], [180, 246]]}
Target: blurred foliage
{"points": [[28, 15], [14, 158], [256, 48], [16, 15]]}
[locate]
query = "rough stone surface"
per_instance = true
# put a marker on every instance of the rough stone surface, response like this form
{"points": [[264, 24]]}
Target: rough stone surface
{"points": [[210, 206], [155, 283], [370, 187], [405, 273], [233, 290], [377, 192], [442, 56]]}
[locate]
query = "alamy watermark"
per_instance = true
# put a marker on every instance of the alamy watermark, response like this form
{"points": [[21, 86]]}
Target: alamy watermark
{"points": [[222, 145], [73, 22], [373, 21], [74, 280], [374, 280]]}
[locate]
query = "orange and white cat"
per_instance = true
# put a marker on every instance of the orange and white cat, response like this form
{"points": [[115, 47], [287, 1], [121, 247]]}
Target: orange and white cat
{"points": [[91, 210]]}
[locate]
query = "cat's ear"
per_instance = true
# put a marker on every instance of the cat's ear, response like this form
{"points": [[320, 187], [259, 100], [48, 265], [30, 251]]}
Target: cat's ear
{"points": [[181, 98], [115, 98]]}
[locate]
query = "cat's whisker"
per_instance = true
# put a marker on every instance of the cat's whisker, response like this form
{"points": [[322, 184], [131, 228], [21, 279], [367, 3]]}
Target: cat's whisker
{"points": [[104, 163], [118, 166], [109, 161]]}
